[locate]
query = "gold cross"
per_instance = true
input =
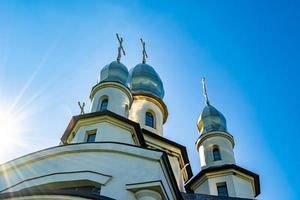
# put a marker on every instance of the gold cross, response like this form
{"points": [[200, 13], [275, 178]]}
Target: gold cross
{"points": [[144, 51], [81, 107], [204, 91], [120, 48]]}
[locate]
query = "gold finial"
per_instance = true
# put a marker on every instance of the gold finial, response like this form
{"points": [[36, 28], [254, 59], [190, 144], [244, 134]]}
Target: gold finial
{"points": [[204, 91], [120, 48], [81, 107], [144, 51]]}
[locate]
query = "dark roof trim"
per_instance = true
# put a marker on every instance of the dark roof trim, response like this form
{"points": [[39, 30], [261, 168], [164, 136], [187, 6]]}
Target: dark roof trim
{"points": [[181, 147], [221, 168], [75, 119], [171, 175], [188, 196], [33, 192]]}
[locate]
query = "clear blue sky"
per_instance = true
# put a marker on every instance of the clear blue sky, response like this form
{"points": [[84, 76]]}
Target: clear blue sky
{"points": [[51, 53]]}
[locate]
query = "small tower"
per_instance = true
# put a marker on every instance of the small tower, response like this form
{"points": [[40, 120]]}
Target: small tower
{"points": [[111, 92], [148, 108], [219, 174], [215, 145]]}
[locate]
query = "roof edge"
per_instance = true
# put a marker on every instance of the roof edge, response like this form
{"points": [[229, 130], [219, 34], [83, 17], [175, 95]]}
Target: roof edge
{"points": [[75, 119], [221, 168], [181, 147]]}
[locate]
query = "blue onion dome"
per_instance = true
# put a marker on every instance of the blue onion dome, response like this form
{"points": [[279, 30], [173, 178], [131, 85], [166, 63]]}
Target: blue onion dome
{"points": [[115, 71], [144, 79], [211, 120]]}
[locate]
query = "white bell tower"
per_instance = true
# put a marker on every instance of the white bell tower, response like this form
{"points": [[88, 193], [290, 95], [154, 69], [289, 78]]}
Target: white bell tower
{"points": [[112, 93], [148, 108], [219, 174]]}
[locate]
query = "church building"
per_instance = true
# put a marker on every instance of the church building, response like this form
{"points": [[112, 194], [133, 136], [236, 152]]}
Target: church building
{"points": [[117, 150]]}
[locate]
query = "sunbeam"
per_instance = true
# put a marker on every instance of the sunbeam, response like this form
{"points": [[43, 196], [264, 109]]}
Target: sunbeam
{"points": [[12, 130], [35, 72]]}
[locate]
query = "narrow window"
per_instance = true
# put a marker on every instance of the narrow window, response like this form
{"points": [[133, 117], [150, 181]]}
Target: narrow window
{"points": [[104, 104], [216, 153], [222, 189], [126, 111], [149, 120], [91, 136]]}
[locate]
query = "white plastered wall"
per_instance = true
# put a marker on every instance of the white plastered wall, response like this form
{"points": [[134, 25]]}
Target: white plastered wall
{"points": [[243, 188], [138, 111], [212, 184], [105, 131], [236, 186], [203, 188], [118, 100], [177, 171], [175, 158]]}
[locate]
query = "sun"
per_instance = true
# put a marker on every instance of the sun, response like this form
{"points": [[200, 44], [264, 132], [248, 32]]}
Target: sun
{"points": [[10, 131]]}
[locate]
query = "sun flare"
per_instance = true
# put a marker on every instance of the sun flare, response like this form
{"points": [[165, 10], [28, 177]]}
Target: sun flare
{"points": [[10, 130]]}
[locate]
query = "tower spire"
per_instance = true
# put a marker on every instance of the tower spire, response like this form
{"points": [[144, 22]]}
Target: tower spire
{"points": [[204, 91], [144, 51], [120, 48]]}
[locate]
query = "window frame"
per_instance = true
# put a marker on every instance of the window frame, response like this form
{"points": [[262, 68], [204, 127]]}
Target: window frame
{"points": [[89, 133], [217, 157], [126, 110], [222, 185], [100, 103], [153, 119], [104, 106]]}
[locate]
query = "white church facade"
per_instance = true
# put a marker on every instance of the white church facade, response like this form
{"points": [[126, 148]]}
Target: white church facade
{"points": [[117, 150]]}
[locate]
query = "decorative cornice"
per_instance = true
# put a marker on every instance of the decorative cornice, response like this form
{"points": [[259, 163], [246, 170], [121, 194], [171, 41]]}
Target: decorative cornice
{"points": [[205, 136], [157, 101], [75, 119], [75, 148], [111, 84]]}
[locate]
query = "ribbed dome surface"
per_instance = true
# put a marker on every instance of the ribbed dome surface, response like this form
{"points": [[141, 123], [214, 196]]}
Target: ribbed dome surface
{"points": [[114, 71], [143, 78], [211, 120]]}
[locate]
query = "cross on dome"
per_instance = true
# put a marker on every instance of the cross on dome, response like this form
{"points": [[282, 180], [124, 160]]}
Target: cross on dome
{"points": [[205, 91], [144, 51], [120, 48]]}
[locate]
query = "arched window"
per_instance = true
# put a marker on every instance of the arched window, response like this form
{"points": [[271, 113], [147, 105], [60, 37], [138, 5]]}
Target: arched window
{"points": [[104, 104], [149, 119], [216, 153]]}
